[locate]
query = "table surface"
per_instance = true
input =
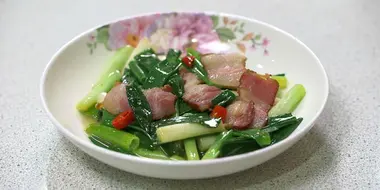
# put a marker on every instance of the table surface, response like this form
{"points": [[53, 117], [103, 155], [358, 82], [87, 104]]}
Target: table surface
{"points": [[340, 152]]}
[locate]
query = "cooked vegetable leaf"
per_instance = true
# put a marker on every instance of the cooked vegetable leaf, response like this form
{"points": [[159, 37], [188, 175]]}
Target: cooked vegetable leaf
{"points": [[176, 82], [113, 138], [282, 81], [191, 149], [277, 123], [182, 107], [155, 154], [289, 101], [214, 150], [107, 79], [128, 77], [140, 106], [93, 113], [137, 71], [276, 119], [146, 140], [193, 52], [205, 142], [105, 144], [199, 70], [160, 74], [262, 137], [224, 99], [284, 132], [147, 59], [238, 146], [182, 131], [174, 148], [201, 119], [107, 118]]}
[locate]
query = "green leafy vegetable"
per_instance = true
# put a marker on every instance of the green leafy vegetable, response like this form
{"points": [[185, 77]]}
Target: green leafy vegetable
{"points": [[191, 149], [193, 52], [146, 140], [160, 74], [93, 113], [205, 142], [143, 45], [174, 148], [238, 146], [198, 70], [284, 132], [140, 106], [113, 138], [214, 150], [175, 157], [182, 131], [282, 81], [277, 123], [289, 101], [147, 59], [155, 154], [104, 144], [107, 118], [128, 77], [107, 79], [202, 119], [182, 107], [176, 83], [262, 137], [224, 99], [137, 71]]}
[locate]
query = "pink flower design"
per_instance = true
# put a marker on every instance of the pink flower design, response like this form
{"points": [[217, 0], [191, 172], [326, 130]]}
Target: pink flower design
{"points": [[182, 30], [266, 53], [265, 42], [128, 31]]}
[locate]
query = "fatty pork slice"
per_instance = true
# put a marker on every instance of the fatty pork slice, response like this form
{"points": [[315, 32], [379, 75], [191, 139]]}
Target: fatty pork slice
{"points": [[240, 114], [262, 91], [116, 100], [199, 96], [189, 79], [225, 69], [161, 102]]}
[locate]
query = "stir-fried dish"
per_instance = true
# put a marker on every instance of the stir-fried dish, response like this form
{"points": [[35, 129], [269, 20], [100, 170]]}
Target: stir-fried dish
{"points": [[188, 106]]}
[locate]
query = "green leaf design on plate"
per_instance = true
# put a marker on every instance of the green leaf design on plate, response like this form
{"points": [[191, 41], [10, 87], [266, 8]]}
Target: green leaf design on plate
{"points": [[215, 20], [102, 35], [258, 37], [225, 34]]}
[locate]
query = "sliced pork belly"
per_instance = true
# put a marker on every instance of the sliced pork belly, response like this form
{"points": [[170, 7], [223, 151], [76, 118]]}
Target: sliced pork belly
{"points": [[261, 115], [225, 69], [116, 100], [199, 96], [240, 114], [161, 102], [190, 79], [262, 91]]}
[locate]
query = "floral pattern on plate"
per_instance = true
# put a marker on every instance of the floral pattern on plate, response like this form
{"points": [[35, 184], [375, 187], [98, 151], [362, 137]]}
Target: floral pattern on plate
{"points": [[206, 33]]}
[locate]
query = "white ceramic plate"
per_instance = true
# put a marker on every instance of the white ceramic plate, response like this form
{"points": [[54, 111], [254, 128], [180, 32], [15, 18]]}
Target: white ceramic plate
{"points": [[77, 65]]}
